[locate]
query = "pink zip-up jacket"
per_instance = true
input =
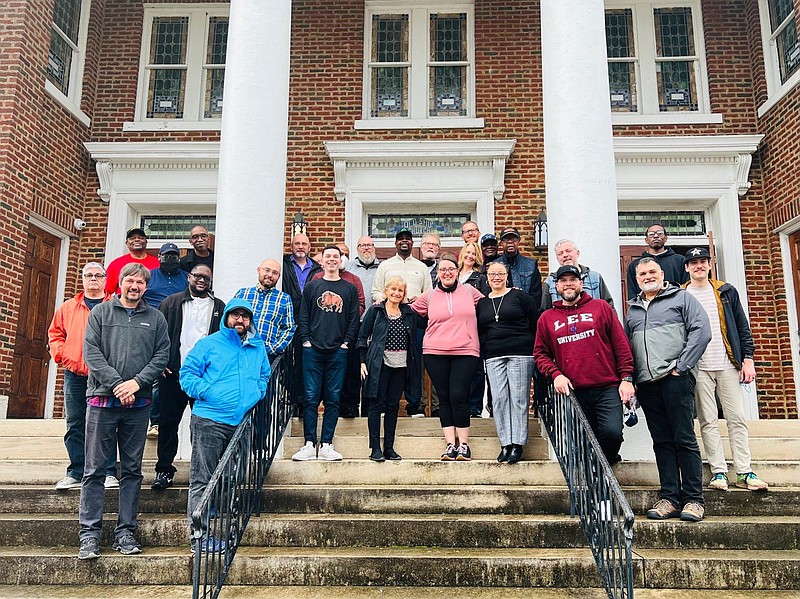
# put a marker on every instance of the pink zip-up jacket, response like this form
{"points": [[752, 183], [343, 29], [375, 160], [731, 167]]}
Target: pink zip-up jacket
{"points": [[452, 322]]}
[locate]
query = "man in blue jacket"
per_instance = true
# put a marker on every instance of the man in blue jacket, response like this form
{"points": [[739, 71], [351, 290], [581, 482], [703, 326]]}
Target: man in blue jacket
{"points": [[226, 373]]}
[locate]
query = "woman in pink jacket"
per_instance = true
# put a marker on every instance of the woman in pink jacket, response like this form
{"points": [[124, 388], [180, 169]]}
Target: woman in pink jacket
{"points": [[451, 352]]}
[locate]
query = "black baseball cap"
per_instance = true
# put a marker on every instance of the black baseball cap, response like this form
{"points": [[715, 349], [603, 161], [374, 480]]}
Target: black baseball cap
{"points": [[135, 231], [509, 231], [696, 253], [405, 231], [568, 269]]}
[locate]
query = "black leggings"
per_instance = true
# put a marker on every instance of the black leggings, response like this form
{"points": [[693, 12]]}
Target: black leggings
{"points": [[452, 377]]}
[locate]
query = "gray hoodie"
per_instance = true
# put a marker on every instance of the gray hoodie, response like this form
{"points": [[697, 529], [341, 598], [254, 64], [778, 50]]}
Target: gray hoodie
{"points": [[672, 332], [118, 347]]}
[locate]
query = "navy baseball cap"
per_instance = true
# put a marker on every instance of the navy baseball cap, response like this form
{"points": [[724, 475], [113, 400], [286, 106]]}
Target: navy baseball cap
{"points": [[169, 247], [488, 237]]}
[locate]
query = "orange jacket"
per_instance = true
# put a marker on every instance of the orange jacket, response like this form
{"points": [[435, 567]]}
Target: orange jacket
{"points": [[65, 335]]}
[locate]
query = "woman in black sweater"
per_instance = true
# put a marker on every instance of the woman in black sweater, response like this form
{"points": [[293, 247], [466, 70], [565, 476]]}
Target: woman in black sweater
{"points": [[507, 328]]}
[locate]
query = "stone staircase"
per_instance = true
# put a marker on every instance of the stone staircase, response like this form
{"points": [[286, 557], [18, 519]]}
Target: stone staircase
{"points": [[415, 528]]}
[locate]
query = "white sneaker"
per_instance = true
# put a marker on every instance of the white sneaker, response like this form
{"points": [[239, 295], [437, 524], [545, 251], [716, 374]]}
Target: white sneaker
{"points": [[307, 452], [67, 483], [111, 482], [328, 453], [418, 415]]}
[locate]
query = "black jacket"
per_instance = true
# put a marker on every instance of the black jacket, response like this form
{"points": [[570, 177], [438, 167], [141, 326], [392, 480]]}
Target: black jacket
{"points": [[290, 284], [670, 262], [172, 309], [478, 281], [372, 342]]}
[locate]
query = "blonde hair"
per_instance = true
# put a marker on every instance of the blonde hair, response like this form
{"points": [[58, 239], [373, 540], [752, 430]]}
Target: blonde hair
{"points": [[478, 256], [400, 282]]}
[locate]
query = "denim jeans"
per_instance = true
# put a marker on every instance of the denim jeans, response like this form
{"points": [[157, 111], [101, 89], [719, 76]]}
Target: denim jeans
{"points": [[603, 409], [510, 383], [74, 438], [668, 404], [105, 428], [209, 441], [323, 375], [173, 404]]}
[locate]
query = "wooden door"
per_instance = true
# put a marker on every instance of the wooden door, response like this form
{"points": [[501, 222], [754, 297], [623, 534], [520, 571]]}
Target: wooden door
{"points": [[794, 249], [37, 304]]}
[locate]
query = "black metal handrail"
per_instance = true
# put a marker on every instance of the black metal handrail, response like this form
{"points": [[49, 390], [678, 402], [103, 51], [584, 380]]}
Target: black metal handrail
{"points": [[234, 492], [596, 497]]}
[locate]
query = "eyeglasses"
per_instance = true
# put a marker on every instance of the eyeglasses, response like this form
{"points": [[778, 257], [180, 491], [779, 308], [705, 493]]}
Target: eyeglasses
{"points": [[447, 271], [496, 275], [433, 243], [465, 231], [652, 234], [366, 245], [92, 275], [198, 236], [269, 271], [205, 278], [239, 315]]}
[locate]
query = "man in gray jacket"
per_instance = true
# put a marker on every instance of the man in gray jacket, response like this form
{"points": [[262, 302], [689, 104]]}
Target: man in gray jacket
{"points": [[669, 331], [126, 348]]}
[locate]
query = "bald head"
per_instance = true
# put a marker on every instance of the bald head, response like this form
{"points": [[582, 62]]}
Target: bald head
{"points": [[269, 271]]}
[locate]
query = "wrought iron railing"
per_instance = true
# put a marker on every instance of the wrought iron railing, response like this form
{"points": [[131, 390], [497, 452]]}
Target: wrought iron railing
{"points": [[596, 497], [234, 491]]}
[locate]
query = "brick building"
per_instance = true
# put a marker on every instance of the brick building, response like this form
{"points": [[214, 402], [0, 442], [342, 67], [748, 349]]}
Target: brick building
{"points": [[363, 114]]}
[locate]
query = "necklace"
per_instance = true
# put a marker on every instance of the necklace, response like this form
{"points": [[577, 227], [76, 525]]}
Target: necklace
{"points": [[496, 308]]}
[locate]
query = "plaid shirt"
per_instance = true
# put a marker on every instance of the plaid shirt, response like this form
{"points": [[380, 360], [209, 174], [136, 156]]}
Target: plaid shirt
{"points": [[272, 316]]}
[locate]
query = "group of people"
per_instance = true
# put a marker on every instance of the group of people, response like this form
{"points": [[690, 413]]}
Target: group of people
{"points": [[148, 329]]}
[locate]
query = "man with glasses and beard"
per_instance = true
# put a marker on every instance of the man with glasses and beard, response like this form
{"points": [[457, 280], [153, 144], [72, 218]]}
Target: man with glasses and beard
{"points": [[366, 263], [200, 252], [191, 315], [671, 263]]}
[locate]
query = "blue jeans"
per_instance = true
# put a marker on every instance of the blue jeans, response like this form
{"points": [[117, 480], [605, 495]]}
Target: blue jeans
{"points": [[668, 404], [323, 376], [74, 438], [105, 428]]}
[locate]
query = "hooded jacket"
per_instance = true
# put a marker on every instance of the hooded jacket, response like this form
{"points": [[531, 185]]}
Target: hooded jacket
{"points": [[584, 342], [66, 332], [118, 347], [225, 375], [736, 335], [672, 333], [372, 343], [670, 262], [172, 309]]}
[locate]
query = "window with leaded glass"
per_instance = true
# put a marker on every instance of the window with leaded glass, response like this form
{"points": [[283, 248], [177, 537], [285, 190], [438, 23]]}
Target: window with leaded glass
{"points": [[419, 62], [676, 60], [67, 46], [622, 61], [183, 62], [783, 30], [656, 61]]}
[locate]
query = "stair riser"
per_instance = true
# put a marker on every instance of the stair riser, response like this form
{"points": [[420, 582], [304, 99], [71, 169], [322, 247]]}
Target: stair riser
{"points": [[762, 448], [110, 569]]}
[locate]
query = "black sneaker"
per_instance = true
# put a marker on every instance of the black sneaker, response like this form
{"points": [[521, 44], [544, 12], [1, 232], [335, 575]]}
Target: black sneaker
{"points": [[90, 549], [127, 544], [450, 453], [390, 454], [163, 481], [377, 456], [464, 453]]}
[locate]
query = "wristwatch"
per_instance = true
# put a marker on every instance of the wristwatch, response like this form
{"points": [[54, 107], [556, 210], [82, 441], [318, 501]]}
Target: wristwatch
{"points": [[627, 379]]}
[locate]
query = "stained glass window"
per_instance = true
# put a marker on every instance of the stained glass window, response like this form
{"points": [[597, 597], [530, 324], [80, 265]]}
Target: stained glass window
{"points": [[64, 43], [675, 59], [389, 65], [174, 227], [783, 26], [217, 46], [675, 222], [384, 226], [621, 60], [167, 70], [448, 71]]}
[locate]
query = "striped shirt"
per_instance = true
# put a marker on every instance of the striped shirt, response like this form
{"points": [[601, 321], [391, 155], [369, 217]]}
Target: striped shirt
{"points": [[273, 317], [715, 357]]}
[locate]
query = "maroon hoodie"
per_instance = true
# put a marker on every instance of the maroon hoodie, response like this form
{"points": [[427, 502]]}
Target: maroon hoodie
{"points": [[585, 342]]}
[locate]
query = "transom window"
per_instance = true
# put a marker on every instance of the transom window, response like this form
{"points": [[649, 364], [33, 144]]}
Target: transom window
{"points": [[384, 226], [160, 228], [655, 57], [183, 62], [676, 222], [66, 56], [419, 61]]}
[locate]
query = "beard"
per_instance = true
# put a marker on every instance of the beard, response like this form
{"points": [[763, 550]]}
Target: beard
{"points": [[570, 295], [366, 260], [651, 287]]}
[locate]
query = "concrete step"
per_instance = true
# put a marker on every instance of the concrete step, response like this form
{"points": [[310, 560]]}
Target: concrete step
{"points": [[410, 567], [494, 531], [404, 499], [424, 447], [370, 592], [414, 427], [764, 448]]}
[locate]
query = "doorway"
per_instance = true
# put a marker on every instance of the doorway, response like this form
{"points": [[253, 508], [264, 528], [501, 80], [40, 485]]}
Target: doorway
{"points": [[27, 396]]}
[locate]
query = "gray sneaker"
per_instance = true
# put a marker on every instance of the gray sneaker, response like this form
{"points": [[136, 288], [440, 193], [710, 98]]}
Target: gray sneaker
{"points": [[67, 483], [127, 544], [90, 549]]}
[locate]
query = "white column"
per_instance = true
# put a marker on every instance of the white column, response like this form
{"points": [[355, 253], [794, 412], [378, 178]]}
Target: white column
{"points": [[252, 157], [578, 148]]}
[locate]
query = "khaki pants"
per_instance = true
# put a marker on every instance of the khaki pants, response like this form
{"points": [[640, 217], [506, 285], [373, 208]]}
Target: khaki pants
{"points": [[725, 385]]}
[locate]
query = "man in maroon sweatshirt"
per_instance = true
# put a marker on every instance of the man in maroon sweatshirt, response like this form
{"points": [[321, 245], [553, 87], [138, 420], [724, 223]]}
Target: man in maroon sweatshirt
{"points": [[582, 347]]}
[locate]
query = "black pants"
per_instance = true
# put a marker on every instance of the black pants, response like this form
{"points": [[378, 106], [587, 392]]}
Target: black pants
{"points": [[173, 403], [390, 388], [452, 375], [603, 410], [351, 388]]}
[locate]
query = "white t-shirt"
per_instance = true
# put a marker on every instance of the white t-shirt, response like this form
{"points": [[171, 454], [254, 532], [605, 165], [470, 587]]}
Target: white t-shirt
{"points": [[196, 320]]}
